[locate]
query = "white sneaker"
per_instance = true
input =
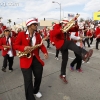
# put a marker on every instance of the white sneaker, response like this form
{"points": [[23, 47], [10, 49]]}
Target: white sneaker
{"points": [[38, 95], [56, 58], [10, 71]]}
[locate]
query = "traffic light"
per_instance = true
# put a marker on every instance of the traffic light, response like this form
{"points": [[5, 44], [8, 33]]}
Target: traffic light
{"points": [[44, 19], [14, 23]]}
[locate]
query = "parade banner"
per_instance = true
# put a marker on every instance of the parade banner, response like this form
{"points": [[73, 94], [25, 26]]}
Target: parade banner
{"points": [[96, 16]]}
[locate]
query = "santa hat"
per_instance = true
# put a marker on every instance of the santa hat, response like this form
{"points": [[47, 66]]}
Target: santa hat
{"points": [[64, 20], [31, 21]]}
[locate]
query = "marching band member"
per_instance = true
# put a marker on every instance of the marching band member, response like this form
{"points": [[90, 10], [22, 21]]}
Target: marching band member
{"points": [[97, 35], [88, 36], [51, 40], [76, 37], [46, 33], [2, 28], [92, 35], [57, 35], [12, 33], [34, 64], [8, 52]]}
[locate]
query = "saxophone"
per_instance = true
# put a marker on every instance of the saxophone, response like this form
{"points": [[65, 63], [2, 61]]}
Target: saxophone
{"points": [[28, 54], [70, 23]]}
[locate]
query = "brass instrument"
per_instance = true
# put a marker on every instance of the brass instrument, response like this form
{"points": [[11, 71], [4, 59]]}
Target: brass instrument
{"points": [[70, 23], [28, 54]]}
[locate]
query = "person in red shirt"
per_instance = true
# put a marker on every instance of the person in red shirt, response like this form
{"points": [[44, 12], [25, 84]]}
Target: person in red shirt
{"points": [[46, 34], [34, 64], [8, 51], [88, 36], [97, 36], [2, 28], [58, 38]]}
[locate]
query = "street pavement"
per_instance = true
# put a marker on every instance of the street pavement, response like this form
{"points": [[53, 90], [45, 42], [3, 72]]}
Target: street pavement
{"points": [[81, 86]]}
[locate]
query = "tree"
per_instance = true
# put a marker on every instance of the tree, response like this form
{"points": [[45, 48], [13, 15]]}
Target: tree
{"points": [[81, 19], [9, 22]]}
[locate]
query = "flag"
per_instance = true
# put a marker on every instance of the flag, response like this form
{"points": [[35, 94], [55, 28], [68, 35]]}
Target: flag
{"points": [[70, 15], [96, 16]]}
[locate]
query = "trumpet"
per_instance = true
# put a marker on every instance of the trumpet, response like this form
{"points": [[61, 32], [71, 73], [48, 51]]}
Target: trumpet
{"points": [[28, 54], [70, 23]]}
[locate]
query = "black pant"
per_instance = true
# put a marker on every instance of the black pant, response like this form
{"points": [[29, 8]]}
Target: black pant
{"points": [[91, 40], [97, 42], [8, 59], [64, 61], [87, 41], [48, 43], [57, 53], [77, 61], [37, 69], [64, 50]]}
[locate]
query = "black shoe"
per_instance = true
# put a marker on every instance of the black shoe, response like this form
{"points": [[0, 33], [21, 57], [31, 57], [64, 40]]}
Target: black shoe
{"points": [[3, 69]]}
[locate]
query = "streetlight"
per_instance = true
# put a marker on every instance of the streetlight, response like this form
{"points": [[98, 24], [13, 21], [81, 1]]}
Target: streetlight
{"points": [[60, 7], [63, 12], [22, 23]]}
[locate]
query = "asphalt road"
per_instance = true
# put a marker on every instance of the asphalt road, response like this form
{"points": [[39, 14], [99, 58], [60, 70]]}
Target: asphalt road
{"points": [[81, 86]]}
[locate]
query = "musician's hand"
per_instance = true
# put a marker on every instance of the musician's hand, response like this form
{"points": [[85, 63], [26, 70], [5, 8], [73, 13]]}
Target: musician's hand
{"points": [[45, 55], [62, 30], [80, 39], [5, 48], [53, 43], [9, 47], [27, 48]]}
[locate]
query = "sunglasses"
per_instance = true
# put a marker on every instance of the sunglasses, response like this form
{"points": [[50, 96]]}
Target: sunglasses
{"points": [[35, 24]]}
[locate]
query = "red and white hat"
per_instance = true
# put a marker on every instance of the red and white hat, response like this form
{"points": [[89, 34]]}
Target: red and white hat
{"points": [[98, 24], [64, 20], [31, 21]]}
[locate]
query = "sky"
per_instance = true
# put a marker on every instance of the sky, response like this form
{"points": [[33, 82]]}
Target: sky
{"points": [[20, 10]]}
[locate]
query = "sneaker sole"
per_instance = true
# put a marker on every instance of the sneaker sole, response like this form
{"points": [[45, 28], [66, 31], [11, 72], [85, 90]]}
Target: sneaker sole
{"points": [[89, 55]]}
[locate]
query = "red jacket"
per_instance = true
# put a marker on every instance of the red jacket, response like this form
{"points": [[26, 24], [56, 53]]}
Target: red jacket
{"points": [[2, 29], [3, 42], [97, 32], [13, 34], [88, 33], [21, 41], [57, 36]]}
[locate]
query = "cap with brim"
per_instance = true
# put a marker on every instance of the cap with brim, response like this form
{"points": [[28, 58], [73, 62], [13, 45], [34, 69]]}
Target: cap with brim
{"points": [[64, 21], [31, 21], [6, 30]]}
